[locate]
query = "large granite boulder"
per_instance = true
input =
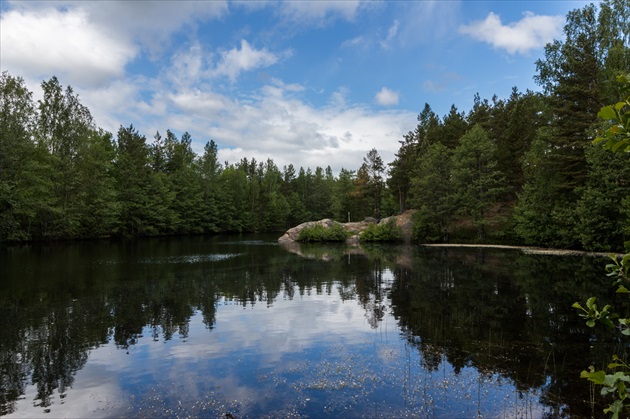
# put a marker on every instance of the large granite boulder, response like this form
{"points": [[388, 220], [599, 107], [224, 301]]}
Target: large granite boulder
{"points": [[356, 228]]}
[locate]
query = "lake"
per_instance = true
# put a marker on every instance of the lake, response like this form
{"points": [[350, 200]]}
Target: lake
{"points": [[239, 326]]}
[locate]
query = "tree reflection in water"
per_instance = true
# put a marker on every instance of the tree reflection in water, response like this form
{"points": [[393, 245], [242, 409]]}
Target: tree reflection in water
{"points": [[502, 313]]}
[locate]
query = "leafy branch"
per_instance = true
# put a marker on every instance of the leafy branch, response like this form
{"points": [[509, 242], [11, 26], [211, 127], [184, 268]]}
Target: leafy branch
{"points": [[616, 139]]}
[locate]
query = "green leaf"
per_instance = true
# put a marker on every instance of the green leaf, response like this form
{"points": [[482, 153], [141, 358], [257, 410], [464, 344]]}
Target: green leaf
{"points": [[598, 377], [578, 305], [622, 290], [620, 376], [614, 365], [616, 146], [615, 408], [607, 112]]}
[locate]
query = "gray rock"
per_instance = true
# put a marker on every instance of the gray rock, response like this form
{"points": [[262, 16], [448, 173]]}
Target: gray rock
{"points": [[403, 221]]}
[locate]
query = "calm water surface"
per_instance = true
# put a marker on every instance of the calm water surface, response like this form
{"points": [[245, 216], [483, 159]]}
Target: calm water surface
{"points": [[238, 325]]}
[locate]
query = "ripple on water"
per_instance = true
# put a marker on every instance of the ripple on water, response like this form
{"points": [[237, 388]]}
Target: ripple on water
{"points": [[251, 243], [216, 257]]}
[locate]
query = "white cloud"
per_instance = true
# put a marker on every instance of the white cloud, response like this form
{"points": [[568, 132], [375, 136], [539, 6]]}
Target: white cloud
{"points": [[273, 121], [339, 135], [428, 22], [118, 103], [147, 23], [190, 65], [354, 42], [47, 42], [87, 42], [90, 44], [309, 10], [531, 32], [433, 86], [276, 123], [391, 34], [386, 97], [234, 61], [200, 103]]}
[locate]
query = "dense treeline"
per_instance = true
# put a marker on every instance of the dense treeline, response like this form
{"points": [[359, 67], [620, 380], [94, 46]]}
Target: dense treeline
{"points": [[520, 169], [524, 169], [62, 177]]}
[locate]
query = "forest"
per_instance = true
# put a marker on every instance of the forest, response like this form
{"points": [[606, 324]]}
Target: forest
{"points": [[518, 170]]}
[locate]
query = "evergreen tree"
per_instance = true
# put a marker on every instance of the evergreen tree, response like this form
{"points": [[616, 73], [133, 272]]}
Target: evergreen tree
{"points": [[184, 184], [375, 167], [143, 195], [210, 169], [477, 183], [432, 194], [304, 183], [233, 203], [603, 219], [453, 127], [399, 180], [361, 198], [321, 195], [342, 196], [514, 128], [571, 74], [97, 206]]}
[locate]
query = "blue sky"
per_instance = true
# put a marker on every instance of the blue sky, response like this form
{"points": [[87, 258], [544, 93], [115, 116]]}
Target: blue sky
{"points": [[312, 83]]}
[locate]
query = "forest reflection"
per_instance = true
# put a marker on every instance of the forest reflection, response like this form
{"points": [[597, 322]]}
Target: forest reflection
{"points": [[501, 312]]}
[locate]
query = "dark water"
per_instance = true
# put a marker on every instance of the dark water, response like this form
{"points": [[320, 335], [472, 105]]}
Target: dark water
{"points": [[209, 326]]}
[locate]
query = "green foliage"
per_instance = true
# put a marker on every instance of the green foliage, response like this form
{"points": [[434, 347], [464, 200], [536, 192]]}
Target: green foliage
{"points": [[575, 74], [602, 215], [617, 136], [544, 215], [382, 232], [615, 383], [477, 183], [528, 155], [375, 169], [320, 233], [611, 384], [17, 156], [432, 195]]}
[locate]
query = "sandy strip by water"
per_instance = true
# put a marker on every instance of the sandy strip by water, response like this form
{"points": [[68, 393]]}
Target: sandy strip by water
{"points": [[529, 250]]}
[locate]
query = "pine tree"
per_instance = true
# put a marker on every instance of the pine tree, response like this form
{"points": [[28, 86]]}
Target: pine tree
{"points": [[477, 182]]}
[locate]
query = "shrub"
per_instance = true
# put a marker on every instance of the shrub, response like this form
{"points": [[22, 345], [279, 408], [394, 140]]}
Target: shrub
{"points": [[383, 232], [319, 233]]}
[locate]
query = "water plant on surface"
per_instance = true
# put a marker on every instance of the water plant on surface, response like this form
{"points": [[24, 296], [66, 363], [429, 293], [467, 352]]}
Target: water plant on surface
{"points": [[617, 139], [383, 232], [319, 233]]}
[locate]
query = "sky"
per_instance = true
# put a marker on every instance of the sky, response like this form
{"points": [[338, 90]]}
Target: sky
{"points": [[308, 83]]}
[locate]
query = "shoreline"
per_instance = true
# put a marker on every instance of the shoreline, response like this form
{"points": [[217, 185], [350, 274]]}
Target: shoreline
{"points": [[528, 249]]}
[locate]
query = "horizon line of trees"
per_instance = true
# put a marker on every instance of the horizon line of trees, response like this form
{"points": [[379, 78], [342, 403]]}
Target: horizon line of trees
{"points": [[62, 177], [517, 170]]}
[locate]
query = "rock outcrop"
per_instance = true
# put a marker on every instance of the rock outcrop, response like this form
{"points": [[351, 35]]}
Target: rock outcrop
{"points": [[356, 228]]}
